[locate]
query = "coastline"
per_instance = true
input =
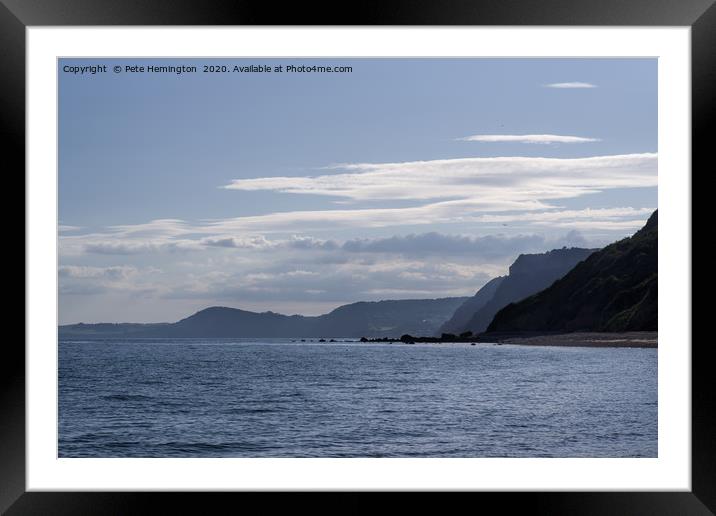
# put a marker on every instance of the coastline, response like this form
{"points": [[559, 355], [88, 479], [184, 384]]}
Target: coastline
{"points": [[632, 339]]}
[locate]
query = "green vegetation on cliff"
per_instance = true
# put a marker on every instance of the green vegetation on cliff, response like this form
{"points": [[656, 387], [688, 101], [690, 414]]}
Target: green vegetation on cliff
{"points": [[615, 289]]}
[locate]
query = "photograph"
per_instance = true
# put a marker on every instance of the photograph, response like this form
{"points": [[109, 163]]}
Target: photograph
{"points": [[408, 249], [359, 257]]}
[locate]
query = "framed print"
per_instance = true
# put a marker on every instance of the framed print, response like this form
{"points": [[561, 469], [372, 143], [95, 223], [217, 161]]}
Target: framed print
{"points": [[416, 250]]}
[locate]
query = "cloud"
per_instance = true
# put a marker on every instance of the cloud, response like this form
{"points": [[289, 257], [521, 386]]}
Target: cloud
{"points": [[570, 85], [445, 191], [115, 273], [340, 283], [170, 227], [527, 138], [587, 217], [300, 273], [123, 244], [251, 242], [504, 183], [446, 212], [118, 246], [482, 249], [506, 190], [64, 227], [85, 280], [127, 242], [433, 213], [81, 289], [311, 269], [239, 234], [434, 243], [307, 242]]}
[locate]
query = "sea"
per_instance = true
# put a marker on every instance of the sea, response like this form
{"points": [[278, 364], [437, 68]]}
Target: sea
{"points": [[284, 398]]}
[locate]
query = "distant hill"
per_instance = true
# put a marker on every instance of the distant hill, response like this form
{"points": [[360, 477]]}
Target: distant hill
{"points": [[363, 319], [464, 313], [219, 321], [615, 289], [529, 274], [390, 318]]}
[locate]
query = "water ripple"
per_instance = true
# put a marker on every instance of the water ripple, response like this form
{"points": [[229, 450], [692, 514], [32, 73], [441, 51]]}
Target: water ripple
{"points": [[282, 399]]}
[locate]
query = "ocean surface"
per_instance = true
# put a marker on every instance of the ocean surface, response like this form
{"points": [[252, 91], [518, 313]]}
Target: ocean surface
{"points": [[244, 398]]}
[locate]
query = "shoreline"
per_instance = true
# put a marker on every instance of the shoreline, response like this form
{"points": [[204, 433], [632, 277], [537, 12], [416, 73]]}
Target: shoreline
{"points": [[640, 339], [633, 339]]}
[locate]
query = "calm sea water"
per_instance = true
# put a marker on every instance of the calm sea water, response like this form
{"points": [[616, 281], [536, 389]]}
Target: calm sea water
{"points": [[219, 398]]}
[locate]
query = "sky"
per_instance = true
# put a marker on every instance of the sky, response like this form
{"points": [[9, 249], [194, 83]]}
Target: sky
{"points": [[298, 192]]}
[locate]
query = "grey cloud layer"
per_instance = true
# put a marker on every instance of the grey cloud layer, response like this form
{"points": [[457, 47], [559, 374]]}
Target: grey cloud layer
{"points": [[351, 281], [427, 264], [174, 236], [416, 244], [479, 248]]}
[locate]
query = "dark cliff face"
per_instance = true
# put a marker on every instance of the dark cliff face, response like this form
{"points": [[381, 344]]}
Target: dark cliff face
{"points": [[369, 319], [615, 289], [529, 274], [464, 313], [552, 262]]}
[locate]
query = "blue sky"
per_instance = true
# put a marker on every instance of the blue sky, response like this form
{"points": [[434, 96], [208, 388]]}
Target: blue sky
{"points": [[274, 190]]}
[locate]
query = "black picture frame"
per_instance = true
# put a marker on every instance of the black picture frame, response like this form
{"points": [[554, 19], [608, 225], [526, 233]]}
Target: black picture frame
{"points": [[16, 15]]}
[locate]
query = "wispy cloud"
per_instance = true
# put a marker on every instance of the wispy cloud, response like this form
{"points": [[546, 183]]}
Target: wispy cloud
{"points": [[493, 184], [128, 244], [568, 85], [64, 227], [114, 273], [635, 216], [527, 138], [470, 190]]}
